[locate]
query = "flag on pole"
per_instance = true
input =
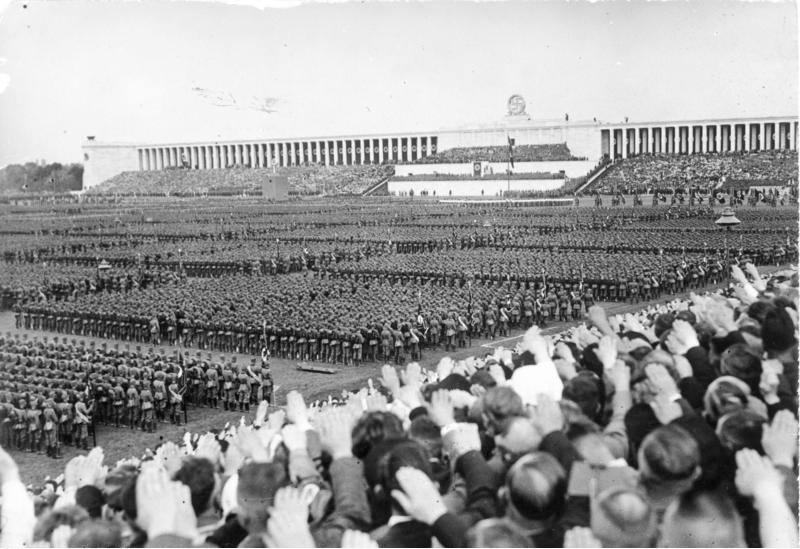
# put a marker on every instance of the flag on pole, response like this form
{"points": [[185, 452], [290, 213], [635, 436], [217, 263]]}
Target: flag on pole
{"points": [[511, 151]]}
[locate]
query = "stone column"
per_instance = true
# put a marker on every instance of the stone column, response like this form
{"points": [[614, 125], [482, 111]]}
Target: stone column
{"points": [[704, 139], [625, 142], [690, 140], [352, 151]]}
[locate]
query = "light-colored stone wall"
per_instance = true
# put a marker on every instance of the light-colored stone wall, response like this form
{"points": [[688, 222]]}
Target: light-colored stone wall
{"points": [[573, 168], [104, 161], [490, 187]]}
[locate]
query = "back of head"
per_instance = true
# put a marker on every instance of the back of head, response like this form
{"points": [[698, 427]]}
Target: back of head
{"points": [[587, 391], [518, 437], [623, 517], [96, 533], [669, 457], [496, 532], [372, 428], [702, 519], [499, 405], [536, 486], [90, 498], [725, 395], [778, 331], [198, 474], [258, 483], [741, 429], [758, 310], [71, 515], [424, 431], [740, 361], [406, 453]]}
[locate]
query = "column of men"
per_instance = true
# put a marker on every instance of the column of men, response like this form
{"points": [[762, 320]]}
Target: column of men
{"points": [[52, 393]]}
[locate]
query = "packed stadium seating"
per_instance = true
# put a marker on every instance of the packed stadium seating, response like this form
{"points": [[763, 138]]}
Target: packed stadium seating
{"points": [[522, 153], [704, 171], [303, 180]]}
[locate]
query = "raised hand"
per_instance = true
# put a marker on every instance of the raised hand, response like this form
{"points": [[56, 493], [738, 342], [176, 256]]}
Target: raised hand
{"points": [[335, 433], [661, 381], [389, 379], [412, 375], [768, 385], [460, 439], [170, 457], [410, 396], [8, 467], [291, 499], [548, 416], [755, 473], [294, 438], [441, 408], [276, 420], [758, 282], [85, 470], [296, 410], [581, 538], [779, 439], [497, 373], [461, 399], [376, 402], [164, 506], [261, 413], [665, 408], [419, 497], [596, 316], [607, 351], [620, 376], [445, 367], [250, 444], [353, 539], [681, 338], [288, 529], [208, 447]]}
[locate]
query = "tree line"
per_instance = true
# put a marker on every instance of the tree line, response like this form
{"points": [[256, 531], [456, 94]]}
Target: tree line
{"points": [[32, 177]]}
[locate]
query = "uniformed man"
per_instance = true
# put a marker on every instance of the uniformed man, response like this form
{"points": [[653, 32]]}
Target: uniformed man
{"points": [[81, 422], [132, 404], [50, 429], [147, 406], [175, 399]]}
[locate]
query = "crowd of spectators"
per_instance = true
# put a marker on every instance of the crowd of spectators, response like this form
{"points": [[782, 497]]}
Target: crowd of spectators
{"points": [[674, 427], [706, 172], [302, 180], [554, 152]]}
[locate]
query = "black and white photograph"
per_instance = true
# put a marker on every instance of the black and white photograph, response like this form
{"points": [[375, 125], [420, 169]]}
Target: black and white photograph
{"points": [[388, 273]]}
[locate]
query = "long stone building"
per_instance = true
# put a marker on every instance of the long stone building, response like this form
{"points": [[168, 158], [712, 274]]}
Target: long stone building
{"points": [[590, 140]]}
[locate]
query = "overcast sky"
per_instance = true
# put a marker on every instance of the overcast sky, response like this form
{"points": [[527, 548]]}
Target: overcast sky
{"points": [[125, 71]]}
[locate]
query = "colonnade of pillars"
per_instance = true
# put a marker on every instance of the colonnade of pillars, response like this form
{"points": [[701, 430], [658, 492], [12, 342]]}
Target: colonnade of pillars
{"points": [[700, 138], [335, 152]]}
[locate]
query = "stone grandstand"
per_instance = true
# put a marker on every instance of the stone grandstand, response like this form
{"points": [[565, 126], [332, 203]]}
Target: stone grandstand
{"points": [[303, 181], [707, 171], [522, 153]]}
